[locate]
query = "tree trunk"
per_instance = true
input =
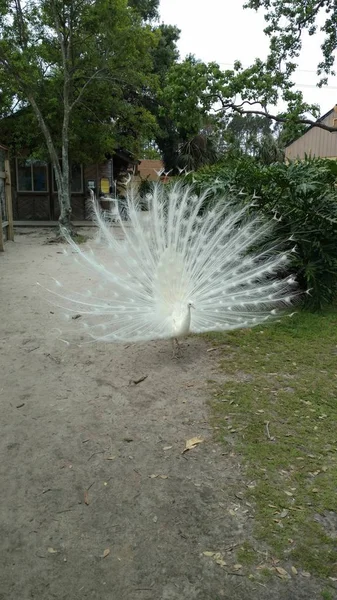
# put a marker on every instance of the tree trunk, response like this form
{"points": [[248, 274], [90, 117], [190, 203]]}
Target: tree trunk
{"points": [[65, 209]]}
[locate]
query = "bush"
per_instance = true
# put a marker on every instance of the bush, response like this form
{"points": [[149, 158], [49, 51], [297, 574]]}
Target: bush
{"points": [[302, 197]]}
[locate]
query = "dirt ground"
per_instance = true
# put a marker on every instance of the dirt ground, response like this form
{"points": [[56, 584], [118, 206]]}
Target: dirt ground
{"points": [[82, 514]]}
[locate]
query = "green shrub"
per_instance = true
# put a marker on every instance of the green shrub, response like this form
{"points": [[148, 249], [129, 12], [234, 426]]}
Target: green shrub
{"points": [[302, 198]]}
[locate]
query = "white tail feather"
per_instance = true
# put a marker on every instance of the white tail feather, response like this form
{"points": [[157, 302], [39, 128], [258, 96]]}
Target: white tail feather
{"points": [[177, 259]]}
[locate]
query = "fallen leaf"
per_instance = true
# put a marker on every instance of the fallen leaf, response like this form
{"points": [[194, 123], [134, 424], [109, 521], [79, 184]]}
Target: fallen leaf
{"points": [[110, 458], [294, 570], [281, 572], [305, 574], [163, 476], [284, 513], [237, 567], [192, 443], [155, 519], [207, 553], [52, 551], [288, 493], [167, 447], [106, 553], [86, 498], [153, 476], [221, 562]]}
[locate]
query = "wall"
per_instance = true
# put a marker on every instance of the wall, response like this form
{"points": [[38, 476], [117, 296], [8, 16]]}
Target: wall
{"points": [[315, 142]]}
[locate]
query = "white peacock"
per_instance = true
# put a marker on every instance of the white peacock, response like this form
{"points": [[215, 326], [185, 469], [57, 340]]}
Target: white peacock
{"points": [[181, 269]]}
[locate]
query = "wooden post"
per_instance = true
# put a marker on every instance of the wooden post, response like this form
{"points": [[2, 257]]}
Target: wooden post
{"points": [[8, 195], [2, 247]]}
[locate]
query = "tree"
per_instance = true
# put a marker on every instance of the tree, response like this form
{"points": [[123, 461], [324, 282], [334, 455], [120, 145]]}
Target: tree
{"points": [[185, 104], [76, 64], [264, 83], [254, 135], [164, 56], [195, 91]]}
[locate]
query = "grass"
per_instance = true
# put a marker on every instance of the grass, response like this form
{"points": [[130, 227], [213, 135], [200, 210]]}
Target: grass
{"points": [[278, 409]]}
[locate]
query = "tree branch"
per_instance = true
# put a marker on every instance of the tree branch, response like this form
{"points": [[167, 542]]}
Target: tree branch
{"points": [[279, 119], [313, 13], [87, 83]]}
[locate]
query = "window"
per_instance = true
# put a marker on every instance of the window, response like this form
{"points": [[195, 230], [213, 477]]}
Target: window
{"points": [[76, 176], [32, 176]]}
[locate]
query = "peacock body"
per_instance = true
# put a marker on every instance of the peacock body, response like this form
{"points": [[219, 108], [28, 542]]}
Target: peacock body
{"points": [[179, 269]]}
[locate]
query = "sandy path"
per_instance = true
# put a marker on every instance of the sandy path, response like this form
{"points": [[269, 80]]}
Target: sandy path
{"points": [[65, 411]]}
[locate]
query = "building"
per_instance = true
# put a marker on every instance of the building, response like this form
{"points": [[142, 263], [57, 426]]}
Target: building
{"points": [[316, 142], [149, 168], [34, 190]]}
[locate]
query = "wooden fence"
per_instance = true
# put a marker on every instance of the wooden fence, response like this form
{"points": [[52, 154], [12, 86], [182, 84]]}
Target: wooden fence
{"points": [[6, 213]]}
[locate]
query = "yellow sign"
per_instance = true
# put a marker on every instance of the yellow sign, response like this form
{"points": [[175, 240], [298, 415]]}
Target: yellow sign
{"points": [[105, 185]]}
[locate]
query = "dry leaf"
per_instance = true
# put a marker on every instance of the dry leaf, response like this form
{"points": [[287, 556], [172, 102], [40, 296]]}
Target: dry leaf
{"points": [[192, 443], [86, 498], [153, 476], [163, 476], [221, 562], [294, 570], [288, 493], [52, 551], [110, 458], [237, 567], [284, 513], [281, 572], [155, 519], [167, 447], [106, 553], [305, 574], [207, 553]]}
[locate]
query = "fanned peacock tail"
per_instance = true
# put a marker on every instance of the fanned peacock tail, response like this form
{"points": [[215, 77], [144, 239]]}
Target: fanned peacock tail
{"points": [[180, 254]]}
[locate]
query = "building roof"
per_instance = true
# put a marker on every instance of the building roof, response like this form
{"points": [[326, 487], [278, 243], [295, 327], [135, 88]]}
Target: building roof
{"points": [[147, 169]]}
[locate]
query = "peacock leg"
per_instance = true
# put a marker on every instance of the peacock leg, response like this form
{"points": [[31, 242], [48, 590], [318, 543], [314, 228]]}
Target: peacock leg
{"points": [[175, 348]]}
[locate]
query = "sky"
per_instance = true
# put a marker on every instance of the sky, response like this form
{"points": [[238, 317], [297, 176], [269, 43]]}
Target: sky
{"points": [[222, 31]]}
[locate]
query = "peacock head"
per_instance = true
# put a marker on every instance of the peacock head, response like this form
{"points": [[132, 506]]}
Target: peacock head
{"points": [[190, 305]]}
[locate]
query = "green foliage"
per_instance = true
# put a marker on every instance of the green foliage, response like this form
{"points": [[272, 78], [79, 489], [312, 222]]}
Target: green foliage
{"points": [[187, 96], [107, 65], [198, 152], [288, 19], [302, 198]]}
